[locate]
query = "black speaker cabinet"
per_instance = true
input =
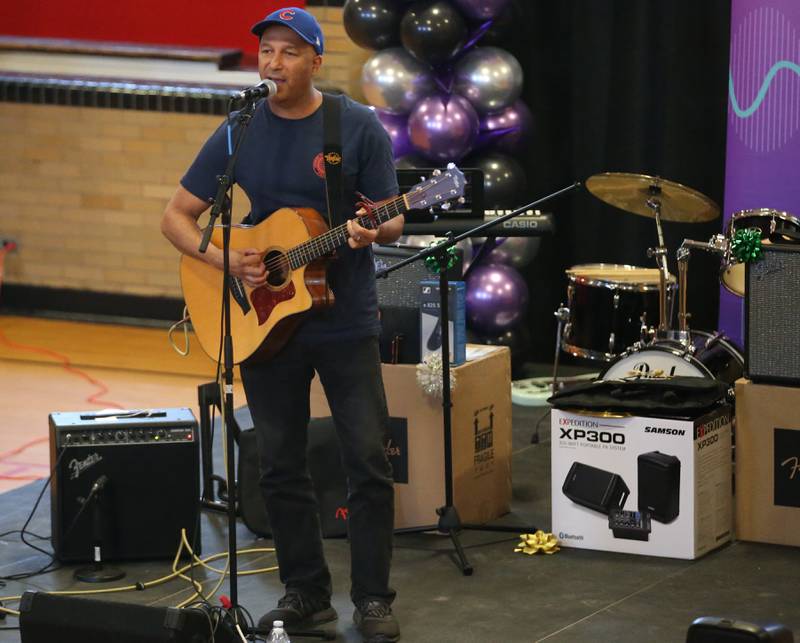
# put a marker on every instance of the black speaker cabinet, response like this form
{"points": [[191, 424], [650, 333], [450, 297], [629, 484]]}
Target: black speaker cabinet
{"points": [[595, 488], [45, 618], [324, 467], [712, 629], [772, 316], [398, 300], [149, 462], [659, 485]]}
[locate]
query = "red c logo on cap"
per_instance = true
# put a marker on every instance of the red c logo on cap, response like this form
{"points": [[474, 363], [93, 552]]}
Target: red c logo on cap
{"points": [[288, 14]]}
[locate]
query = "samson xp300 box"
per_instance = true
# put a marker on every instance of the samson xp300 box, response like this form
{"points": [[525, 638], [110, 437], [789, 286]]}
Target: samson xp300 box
{"points": [[128, 479]]}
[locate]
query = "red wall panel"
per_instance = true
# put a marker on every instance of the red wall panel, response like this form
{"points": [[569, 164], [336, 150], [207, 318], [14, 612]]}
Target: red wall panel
{"points": [[169, 22]]}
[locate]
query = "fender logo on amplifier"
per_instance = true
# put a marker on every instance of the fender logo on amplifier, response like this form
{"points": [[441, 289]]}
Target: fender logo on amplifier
{"points": [[77, 467]]}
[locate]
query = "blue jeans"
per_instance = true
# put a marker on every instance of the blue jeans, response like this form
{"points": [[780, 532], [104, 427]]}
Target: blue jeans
{"points": [[278, 396]]}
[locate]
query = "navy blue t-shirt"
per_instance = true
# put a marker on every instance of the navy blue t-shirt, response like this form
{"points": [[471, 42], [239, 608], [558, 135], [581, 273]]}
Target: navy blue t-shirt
{"points": [[280, 165]]}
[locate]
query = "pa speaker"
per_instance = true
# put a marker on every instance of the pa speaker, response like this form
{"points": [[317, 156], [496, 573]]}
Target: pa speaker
{"points": [[398, 301], [659, 485], [595, 488], [772, 316], [46, 618], [712, 629], [146, 461]]}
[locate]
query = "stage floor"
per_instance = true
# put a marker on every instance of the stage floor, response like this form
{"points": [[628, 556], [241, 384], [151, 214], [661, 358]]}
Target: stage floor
{"points": [[574, 595]]}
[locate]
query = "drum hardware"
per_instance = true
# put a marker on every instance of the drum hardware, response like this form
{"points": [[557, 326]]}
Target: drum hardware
{"points": [[562, 315], [660, 255]]}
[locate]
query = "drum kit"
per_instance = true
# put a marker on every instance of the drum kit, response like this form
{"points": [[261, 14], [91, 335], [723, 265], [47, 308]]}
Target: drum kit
{"points": [[622, 315]]}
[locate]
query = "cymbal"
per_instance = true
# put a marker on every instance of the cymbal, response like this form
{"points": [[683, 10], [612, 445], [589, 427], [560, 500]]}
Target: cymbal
{"points": [[630, 192]]}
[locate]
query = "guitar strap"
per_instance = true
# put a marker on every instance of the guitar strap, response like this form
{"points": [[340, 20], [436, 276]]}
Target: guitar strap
{"points": [[332, 154]]}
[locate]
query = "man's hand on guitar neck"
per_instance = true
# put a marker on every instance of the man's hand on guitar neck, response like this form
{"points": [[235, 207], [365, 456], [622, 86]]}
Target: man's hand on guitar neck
{"points": [[248, 265]]}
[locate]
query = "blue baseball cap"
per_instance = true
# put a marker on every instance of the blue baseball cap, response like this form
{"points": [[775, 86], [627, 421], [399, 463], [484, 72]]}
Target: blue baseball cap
{"points": [[298, 20]]}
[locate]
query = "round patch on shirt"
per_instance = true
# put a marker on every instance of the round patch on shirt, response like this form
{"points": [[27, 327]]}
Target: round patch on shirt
{"points": [[319, 165]]}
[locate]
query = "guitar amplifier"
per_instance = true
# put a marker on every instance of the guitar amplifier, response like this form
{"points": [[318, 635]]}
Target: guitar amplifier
{"points": [[772, 316], [148, 461]]}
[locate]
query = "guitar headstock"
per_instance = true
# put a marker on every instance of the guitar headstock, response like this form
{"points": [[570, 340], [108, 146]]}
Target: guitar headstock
{"points": [[443, 186]]}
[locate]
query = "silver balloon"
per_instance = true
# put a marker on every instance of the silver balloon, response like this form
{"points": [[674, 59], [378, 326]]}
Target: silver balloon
{"points": [[394, 80], [490, 78], [515, 251]]}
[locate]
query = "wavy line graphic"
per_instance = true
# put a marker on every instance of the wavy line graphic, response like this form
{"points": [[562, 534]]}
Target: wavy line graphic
{"points": [[762, 92]]}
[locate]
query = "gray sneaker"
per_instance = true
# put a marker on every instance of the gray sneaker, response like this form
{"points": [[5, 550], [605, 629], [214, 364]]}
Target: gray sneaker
{"points": [[375, 621], [298, 611]]}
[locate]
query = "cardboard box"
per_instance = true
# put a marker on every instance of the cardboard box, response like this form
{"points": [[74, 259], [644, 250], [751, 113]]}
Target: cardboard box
{"points": [[481, 440], [767, 463], [673, 475], [430, 326]]}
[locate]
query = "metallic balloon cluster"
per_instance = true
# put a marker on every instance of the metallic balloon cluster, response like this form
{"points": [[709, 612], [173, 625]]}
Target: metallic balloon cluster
{"points": [[444, 91]]}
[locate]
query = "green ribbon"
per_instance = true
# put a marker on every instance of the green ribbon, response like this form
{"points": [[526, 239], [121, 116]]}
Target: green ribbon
{"points": [[746, 245], [432, 261]]}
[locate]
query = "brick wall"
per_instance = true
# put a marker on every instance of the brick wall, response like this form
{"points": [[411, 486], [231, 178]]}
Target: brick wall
{"points": [[83, 189], [83, 193]]}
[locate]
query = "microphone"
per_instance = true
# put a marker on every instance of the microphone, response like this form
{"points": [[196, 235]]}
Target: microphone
{"points": [[265, 88], [99, 484]]}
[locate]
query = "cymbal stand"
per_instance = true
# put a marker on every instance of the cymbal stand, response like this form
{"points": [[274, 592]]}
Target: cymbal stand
{"points": [[660, 254], [717, 244]]}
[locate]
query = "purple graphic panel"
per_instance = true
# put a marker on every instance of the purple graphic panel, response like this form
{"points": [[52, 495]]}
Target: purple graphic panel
{"points": [[763, 146]]}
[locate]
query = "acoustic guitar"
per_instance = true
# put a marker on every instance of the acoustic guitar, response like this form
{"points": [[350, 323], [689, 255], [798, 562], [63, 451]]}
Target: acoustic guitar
{"points": [[297, 246]]}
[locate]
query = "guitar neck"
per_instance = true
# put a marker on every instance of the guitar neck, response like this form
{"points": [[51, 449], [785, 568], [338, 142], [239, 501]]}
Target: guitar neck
{"points": [[326, 243]]}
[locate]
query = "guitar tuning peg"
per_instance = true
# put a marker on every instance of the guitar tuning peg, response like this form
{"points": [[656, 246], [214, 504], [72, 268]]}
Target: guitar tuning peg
{"points": [[436, 172], [422, 178], [450, 166], [462, 200], [431, 210], [445, 205]]}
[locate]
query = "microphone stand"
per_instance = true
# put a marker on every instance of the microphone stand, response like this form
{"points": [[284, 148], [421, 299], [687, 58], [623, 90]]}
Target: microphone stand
{"points": [[97, 572], [222, 208], [449, 521]]}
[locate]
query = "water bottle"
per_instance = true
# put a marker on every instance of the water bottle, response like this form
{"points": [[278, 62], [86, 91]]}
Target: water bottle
{"points": [[278, 634]]}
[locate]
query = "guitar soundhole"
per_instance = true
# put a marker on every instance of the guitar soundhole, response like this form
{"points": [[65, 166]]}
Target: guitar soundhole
{"points": [[277, 264]]}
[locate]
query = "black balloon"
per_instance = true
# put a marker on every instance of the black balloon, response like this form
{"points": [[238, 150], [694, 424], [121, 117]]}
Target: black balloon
{"points": [[372, 24], [499, 33], [504, 180], [433, 32]]}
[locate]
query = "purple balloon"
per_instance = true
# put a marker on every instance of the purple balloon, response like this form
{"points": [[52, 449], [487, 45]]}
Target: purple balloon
{"points": [[497, 297], [481, 9], [508, 130], [443, 128], [396, 125]]}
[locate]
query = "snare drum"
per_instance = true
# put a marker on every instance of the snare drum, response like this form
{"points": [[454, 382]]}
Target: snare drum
{"points": [[712, 356], [776, 227], [609, 305]]}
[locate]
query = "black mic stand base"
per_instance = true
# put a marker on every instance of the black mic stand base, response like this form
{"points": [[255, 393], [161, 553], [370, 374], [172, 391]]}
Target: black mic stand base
{"points": [[98, 573]]}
